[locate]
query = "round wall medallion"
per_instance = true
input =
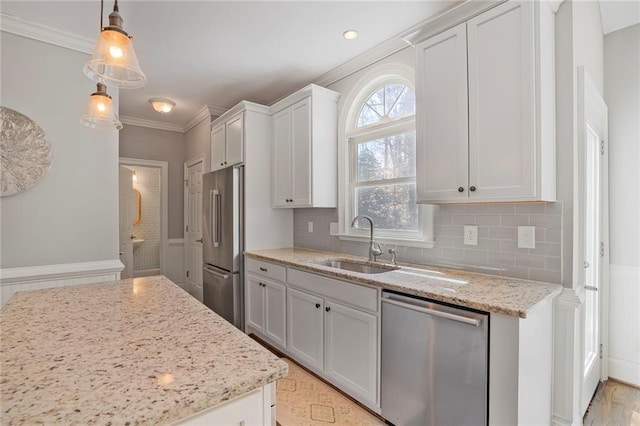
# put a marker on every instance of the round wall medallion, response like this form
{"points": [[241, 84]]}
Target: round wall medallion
{"points": [[25, 152]]}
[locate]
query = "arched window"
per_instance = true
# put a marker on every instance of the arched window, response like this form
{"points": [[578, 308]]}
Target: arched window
{"points": [[379, 161]]}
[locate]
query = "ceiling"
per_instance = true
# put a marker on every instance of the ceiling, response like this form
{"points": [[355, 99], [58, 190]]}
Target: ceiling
{"points": [[217, 53]]}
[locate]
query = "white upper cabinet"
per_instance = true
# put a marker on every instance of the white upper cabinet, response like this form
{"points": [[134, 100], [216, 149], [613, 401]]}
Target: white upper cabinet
{"points": [[305, 149], [227, 142], [485, 112]]}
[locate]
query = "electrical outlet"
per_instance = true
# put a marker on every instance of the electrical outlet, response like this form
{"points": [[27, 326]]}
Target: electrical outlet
{"points": [[334, 228], [470, 235], [310, 227], [526, 237]]}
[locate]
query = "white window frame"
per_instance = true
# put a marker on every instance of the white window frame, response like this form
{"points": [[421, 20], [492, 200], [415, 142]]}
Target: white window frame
{"points": [[348, 135]]}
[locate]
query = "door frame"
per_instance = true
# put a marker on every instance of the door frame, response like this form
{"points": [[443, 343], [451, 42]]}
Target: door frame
{"points": [[164, 204], [588, 95], [185, 200]]}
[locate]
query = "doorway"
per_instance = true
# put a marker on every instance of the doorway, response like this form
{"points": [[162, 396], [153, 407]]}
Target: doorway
{"points": [[148, 215], [193, 170], [594, 207]]}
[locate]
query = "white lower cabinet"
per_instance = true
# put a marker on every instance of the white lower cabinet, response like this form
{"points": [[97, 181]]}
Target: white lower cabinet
{"points": [[266, 301], [351, 349], [305, 328]]}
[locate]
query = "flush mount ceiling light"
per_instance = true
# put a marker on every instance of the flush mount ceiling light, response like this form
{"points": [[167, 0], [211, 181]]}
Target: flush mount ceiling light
{"points": [[163, 105], [114, 61], [99, 113], [350, 34]]}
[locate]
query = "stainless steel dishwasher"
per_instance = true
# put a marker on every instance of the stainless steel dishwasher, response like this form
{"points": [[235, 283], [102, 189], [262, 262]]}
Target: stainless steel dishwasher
{"points": [[434, 363]]}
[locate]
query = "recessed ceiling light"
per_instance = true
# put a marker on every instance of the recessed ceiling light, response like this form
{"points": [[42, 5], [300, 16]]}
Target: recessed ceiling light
{"points": [[163, 105], [350, 34]]}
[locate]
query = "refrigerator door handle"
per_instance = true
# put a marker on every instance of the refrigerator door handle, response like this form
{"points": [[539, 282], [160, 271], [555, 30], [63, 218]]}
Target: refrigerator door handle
{"points": [[218, 203], [216, 273], [214, 217]]}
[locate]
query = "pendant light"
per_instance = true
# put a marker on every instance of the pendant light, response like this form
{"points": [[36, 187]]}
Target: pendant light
{"points": [[99, 113], [114, 61]]}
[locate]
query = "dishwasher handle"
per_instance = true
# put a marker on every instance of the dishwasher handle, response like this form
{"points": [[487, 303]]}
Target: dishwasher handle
{"points": [[393, 300]]}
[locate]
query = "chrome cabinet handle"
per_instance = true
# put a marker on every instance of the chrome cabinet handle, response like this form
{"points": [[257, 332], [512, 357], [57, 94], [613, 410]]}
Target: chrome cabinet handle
{"points": [[590, 288]]}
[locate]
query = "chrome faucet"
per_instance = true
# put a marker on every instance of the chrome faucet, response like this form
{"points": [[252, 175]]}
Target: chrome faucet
{"points": [[374, 248]]}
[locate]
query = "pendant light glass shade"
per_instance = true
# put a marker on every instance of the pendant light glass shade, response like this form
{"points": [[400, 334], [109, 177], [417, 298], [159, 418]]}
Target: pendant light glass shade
{"points": [[114, 62], [99, 113]]}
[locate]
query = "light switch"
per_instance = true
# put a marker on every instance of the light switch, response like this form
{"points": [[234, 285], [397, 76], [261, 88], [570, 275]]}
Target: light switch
{"points": [[470, 235], [526, 237], [310, 227], [334, 228]]}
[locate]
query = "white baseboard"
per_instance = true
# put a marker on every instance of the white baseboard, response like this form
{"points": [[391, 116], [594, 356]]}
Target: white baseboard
{"points": [[13, 280], [624, 323]]}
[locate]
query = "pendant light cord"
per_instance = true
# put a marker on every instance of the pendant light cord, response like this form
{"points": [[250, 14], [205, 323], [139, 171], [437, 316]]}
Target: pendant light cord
{"points": [[101, 13]]}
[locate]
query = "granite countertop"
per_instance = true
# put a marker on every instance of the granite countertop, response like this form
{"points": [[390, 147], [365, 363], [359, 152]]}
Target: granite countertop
{"points": [[509, 296], [136, 351]]}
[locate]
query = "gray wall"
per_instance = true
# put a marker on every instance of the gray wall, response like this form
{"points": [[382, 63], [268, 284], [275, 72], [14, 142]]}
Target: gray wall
{"points": [[197, 141], [622, 95], [497, 251], [160, 145], [72, 214]]}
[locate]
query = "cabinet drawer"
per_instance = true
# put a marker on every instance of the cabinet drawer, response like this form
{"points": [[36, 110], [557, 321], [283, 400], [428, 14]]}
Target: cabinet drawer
{"points": [[270, 270], [352, 294]]}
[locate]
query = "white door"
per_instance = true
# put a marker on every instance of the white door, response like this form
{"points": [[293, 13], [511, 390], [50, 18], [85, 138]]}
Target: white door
{"points": [[275, 324], [305, 328], [351, 349], [125, 197], [442, 117], [218, 149], [594, 201], [234, 143], [193, 226], [255, 303], [281, 158], [502, 147]]}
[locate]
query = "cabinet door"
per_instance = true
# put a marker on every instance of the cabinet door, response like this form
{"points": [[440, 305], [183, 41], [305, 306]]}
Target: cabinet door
{"points": [[305, 328], [218, 147], [442, 116], [275, 312], [255, 303], [234, 146], [502, 154], [351, 350], [281, 158], [301, 154]]}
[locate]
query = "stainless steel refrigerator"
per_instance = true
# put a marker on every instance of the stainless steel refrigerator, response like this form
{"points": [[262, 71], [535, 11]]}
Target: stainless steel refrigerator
{"points": [[222, 243]]}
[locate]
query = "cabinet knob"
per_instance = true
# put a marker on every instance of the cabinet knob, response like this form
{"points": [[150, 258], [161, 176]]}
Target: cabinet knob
{"points": [[261, 285], [225, 162], [222, 164], [472, 188], [460, 189], [327, 309], [317, 306]]}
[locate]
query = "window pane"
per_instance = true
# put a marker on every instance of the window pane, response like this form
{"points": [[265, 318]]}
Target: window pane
{"points": [[387, 158], [405, 104], [392, 207]]}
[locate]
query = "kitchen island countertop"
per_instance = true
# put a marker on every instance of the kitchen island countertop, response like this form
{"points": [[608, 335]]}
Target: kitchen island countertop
{"points": [[135, 351], [509, 296]]}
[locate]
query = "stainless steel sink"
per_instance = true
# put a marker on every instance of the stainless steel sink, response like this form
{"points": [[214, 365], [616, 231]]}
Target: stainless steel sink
{"points": [[358, 266]]}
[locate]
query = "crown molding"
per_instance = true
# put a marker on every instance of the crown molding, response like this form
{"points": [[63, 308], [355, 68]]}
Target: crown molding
{"points": [[14, 25], [205, 112], [152, 124]]}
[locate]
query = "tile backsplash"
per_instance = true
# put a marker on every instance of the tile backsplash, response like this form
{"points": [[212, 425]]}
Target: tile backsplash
{"points": [[497, 251]]}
